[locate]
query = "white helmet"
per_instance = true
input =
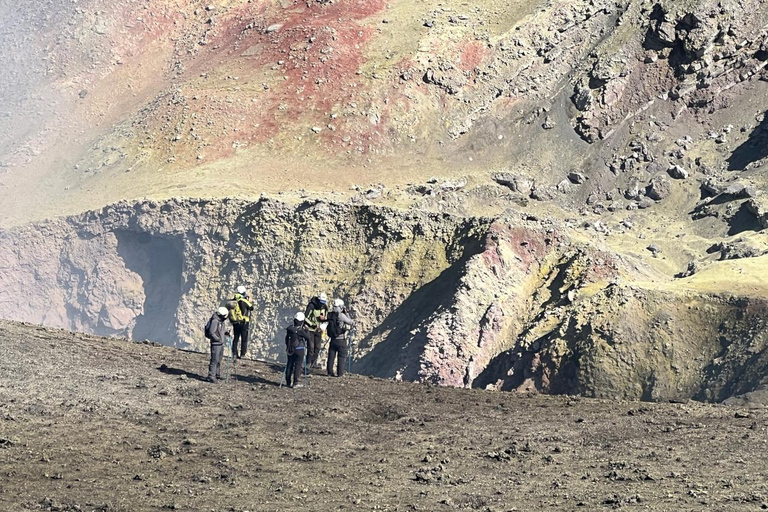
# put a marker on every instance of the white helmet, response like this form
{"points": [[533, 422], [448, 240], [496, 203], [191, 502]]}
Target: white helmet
{"points": [[299, 316], [222, 312], [323, 298], [338, 303], [241, 290]]}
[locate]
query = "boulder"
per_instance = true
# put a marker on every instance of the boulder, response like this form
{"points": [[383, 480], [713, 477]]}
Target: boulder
{"points": [[658, 188], [576, 178], [677, 172], [515, 183]]}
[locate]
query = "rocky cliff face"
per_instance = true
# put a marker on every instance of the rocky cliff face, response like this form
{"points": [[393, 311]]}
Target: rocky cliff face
{"points": [[512, 302]]}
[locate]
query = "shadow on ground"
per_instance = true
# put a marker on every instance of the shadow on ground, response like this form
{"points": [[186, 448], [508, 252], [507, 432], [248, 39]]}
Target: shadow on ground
{"points": [[753, 149]]}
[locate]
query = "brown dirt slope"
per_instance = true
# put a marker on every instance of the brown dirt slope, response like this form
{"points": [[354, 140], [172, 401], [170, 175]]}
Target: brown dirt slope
{"points": [[92, 424]]}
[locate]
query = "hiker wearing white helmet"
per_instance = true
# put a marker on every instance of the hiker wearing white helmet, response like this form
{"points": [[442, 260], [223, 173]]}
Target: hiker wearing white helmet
{"points": [[296, 340], [215, 331], [338, 324], [315, 315], [240, 308]]}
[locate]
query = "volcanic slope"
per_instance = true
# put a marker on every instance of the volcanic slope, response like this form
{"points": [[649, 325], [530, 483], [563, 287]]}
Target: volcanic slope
{"points": [[95, 424], [112, 100]]}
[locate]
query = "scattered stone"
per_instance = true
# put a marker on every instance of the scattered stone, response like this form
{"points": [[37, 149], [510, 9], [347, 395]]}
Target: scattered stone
{"points": [[540, 194], [658, 188], [274, 28], [760, 210], [633, 191], [677, 172], [454, 184], [693, 267], [710, 188], [515, 183], [749, 192], [655, 249], [576, 178], [734, 190], [565, 187], [548, 123]]}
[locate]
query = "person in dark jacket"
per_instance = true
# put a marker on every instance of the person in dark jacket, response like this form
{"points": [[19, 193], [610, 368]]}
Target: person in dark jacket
{"points": [[315, 316], [217, 333], [296, 340], [338, 324]]}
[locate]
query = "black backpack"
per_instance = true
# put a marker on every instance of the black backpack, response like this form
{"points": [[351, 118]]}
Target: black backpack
{"points": [[208, 328], [297, 342], [336, 327]]}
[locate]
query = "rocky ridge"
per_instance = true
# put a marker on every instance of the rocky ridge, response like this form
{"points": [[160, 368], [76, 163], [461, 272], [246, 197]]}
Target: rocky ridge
{"points": [[512, 302]]}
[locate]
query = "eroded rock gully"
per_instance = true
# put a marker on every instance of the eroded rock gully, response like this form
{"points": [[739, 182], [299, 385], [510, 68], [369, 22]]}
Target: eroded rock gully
{"points": [[511, 302]]}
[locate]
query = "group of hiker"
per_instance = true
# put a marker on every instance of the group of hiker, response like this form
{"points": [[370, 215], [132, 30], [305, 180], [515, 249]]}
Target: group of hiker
{"points": [[303, 339]]}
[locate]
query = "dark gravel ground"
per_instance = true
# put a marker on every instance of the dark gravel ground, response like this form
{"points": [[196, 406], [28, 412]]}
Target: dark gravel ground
{"points": [[88, 423]]}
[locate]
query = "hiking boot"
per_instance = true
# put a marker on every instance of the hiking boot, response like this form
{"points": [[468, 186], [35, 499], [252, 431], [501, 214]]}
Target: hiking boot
{"points": [[211, 380], [218, 377], [299, 385]]}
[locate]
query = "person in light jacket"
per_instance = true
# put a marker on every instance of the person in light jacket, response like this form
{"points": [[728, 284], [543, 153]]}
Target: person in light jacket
{"points": [[338, 325]]}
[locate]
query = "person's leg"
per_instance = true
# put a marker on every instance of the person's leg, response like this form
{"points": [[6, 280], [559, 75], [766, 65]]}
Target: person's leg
{"points": [[216, 351], [298, 366], [237, 331], [289, 370], [341, 365], [244, 339], [331, 357], [219, 357], [311, 347], [318, 346]]}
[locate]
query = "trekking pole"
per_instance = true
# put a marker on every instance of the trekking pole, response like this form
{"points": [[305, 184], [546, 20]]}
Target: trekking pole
{"points": [[234, 363], [351, 352], [306, 374], [229, 358], [284, 376]]}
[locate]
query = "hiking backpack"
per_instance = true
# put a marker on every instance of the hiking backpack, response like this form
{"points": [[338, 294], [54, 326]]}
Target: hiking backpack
{"points": [[336, 327], [207, 329], [297, 342], [235, 313]]}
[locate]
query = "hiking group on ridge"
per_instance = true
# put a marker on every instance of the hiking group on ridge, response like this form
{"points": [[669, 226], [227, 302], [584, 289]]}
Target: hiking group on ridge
{"points": [[303, 339]]}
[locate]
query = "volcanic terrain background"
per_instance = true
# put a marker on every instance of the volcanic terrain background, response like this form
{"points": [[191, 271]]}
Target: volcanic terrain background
{"points": [[560, 196]]}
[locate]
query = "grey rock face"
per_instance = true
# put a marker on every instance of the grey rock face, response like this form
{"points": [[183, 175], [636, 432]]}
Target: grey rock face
{"points": [[677, 172], [659, 188]]}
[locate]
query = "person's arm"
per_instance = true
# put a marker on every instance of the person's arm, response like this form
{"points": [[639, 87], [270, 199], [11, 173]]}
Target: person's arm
{"points": [[345, 319], [216, 325], [247, 303]]}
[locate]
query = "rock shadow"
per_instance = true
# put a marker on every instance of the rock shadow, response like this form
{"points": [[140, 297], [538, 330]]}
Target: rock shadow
{"points": [[400, 349], [168, 370], [159, 262], [751, 150], [743, 220]]}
